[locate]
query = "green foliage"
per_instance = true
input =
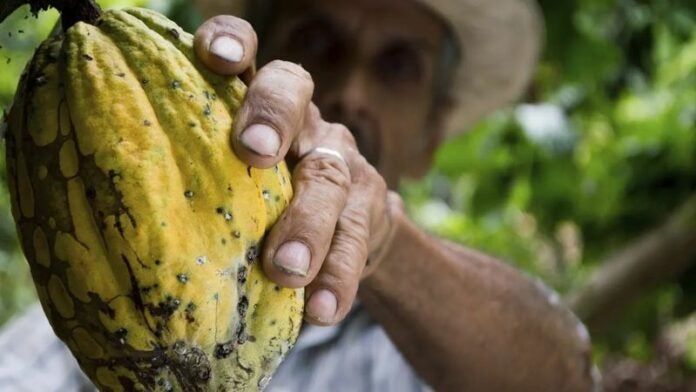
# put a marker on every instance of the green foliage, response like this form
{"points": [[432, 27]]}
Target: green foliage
{"points": [[611, 152]]}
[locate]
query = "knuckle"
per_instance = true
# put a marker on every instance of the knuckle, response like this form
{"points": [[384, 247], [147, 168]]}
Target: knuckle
{"points": [[229, 22], [343, 134], [364, 173], [320, 169], [377, 180], [294, 71]]}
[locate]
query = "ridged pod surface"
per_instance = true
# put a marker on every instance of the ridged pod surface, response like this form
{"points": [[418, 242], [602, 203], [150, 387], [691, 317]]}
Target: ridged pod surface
{"points": [[141, 227]]}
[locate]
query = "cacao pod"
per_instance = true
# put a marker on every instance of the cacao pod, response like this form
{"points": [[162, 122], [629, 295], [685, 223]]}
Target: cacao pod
{"points": [[141, 227]]}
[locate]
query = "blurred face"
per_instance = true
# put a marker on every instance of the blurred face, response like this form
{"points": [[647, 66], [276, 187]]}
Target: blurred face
{"points": [[373, 65]]}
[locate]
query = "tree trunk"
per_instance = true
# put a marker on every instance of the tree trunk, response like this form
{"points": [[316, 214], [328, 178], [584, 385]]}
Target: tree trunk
{"points": [[653, 259]]}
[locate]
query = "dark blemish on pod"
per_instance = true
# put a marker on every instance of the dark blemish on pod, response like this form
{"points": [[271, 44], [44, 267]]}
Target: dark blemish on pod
{"points": [[276, 288], [176, 84], [273, 322], [158, 262], [223, 241], [242, 306], [87, 57], [165, 385], [120, 335], [266, 194], [219, 210], [224, 350], [188, 312], [174, 33], [157, 360], [121, 74], [91, 192], [249, 171], [207, 110], [204, 372], [145, 82], [228, 216], [165, 308], [163, 224], [275, 168], [236, 234], [103, 306], [241, 332], [147, 123], [118, 226], [127, 383], [188, 194], [277, 198], [183, 278], [242, 274], [200, 260], [40, 80], [251, 338], [20, 31], [252, 253], [159, 328], [192, 124]]}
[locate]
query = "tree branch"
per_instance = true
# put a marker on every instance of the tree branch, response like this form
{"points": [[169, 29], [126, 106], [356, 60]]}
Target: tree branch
{"points": [[653, 259]]}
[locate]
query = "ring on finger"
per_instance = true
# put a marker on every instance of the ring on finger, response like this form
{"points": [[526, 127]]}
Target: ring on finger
{"points": [[328, 151]]}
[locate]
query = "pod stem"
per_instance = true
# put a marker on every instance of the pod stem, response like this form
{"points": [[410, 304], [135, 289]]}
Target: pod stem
{"points": [[71, 11]]}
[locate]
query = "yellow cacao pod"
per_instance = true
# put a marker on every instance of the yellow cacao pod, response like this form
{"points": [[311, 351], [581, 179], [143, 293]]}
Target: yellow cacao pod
{"points": [[141, 227]]}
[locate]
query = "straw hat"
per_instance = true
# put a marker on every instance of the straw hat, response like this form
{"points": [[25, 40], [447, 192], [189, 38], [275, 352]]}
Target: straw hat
{"points": [[500, 41]]}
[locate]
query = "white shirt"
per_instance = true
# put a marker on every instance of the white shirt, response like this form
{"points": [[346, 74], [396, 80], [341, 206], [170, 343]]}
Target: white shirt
{"points": [[355, 355]]}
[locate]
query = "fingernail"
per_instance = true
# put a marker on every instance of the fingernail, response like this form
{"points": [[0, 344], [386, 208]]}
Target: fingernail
{"points": [[293, 258], [227, 48], [261, 139], [322, 306]]}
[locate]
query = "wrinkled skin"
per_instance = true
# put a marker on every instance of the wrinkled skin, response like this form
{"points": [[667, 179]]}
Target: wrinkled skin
{"points": [[370, 66], [376, 84]]}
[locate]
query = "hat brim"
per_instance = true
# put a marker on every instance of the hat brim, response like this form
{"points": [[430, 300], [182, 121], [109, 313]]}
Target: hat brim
{"points": [[499, 40]]}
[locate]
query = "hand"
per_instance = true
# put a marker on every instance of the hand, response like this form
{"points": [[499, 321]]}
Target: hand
{"points": [[340, 216]]}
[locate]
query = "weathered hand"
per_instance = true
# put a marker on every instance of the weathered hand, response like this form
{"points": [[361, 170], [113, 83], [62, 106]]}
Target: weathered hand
{"points": [[341, 213]]}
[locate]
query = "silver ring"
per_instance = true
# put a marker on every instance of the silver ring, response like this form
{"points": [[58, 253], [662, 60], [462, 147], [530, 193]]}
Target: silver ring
{"points": [[328, 151]]}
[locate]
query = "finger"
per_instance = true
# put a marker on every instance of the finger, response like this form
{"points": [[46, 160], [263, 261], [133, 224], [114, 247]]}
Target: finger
{"points": [[332, 292], [298, 243], [226, 44], [272, 114]]}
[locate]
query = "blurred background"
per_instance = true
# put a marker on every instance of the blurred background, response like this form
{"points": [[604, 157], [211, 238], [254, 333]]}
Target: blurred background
{"points": [[589, 184]]}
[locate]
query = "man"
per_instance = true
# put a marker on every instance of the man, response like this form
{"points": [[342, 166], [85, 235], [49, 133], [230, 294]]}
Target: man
{"points": [[393, 79]]}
